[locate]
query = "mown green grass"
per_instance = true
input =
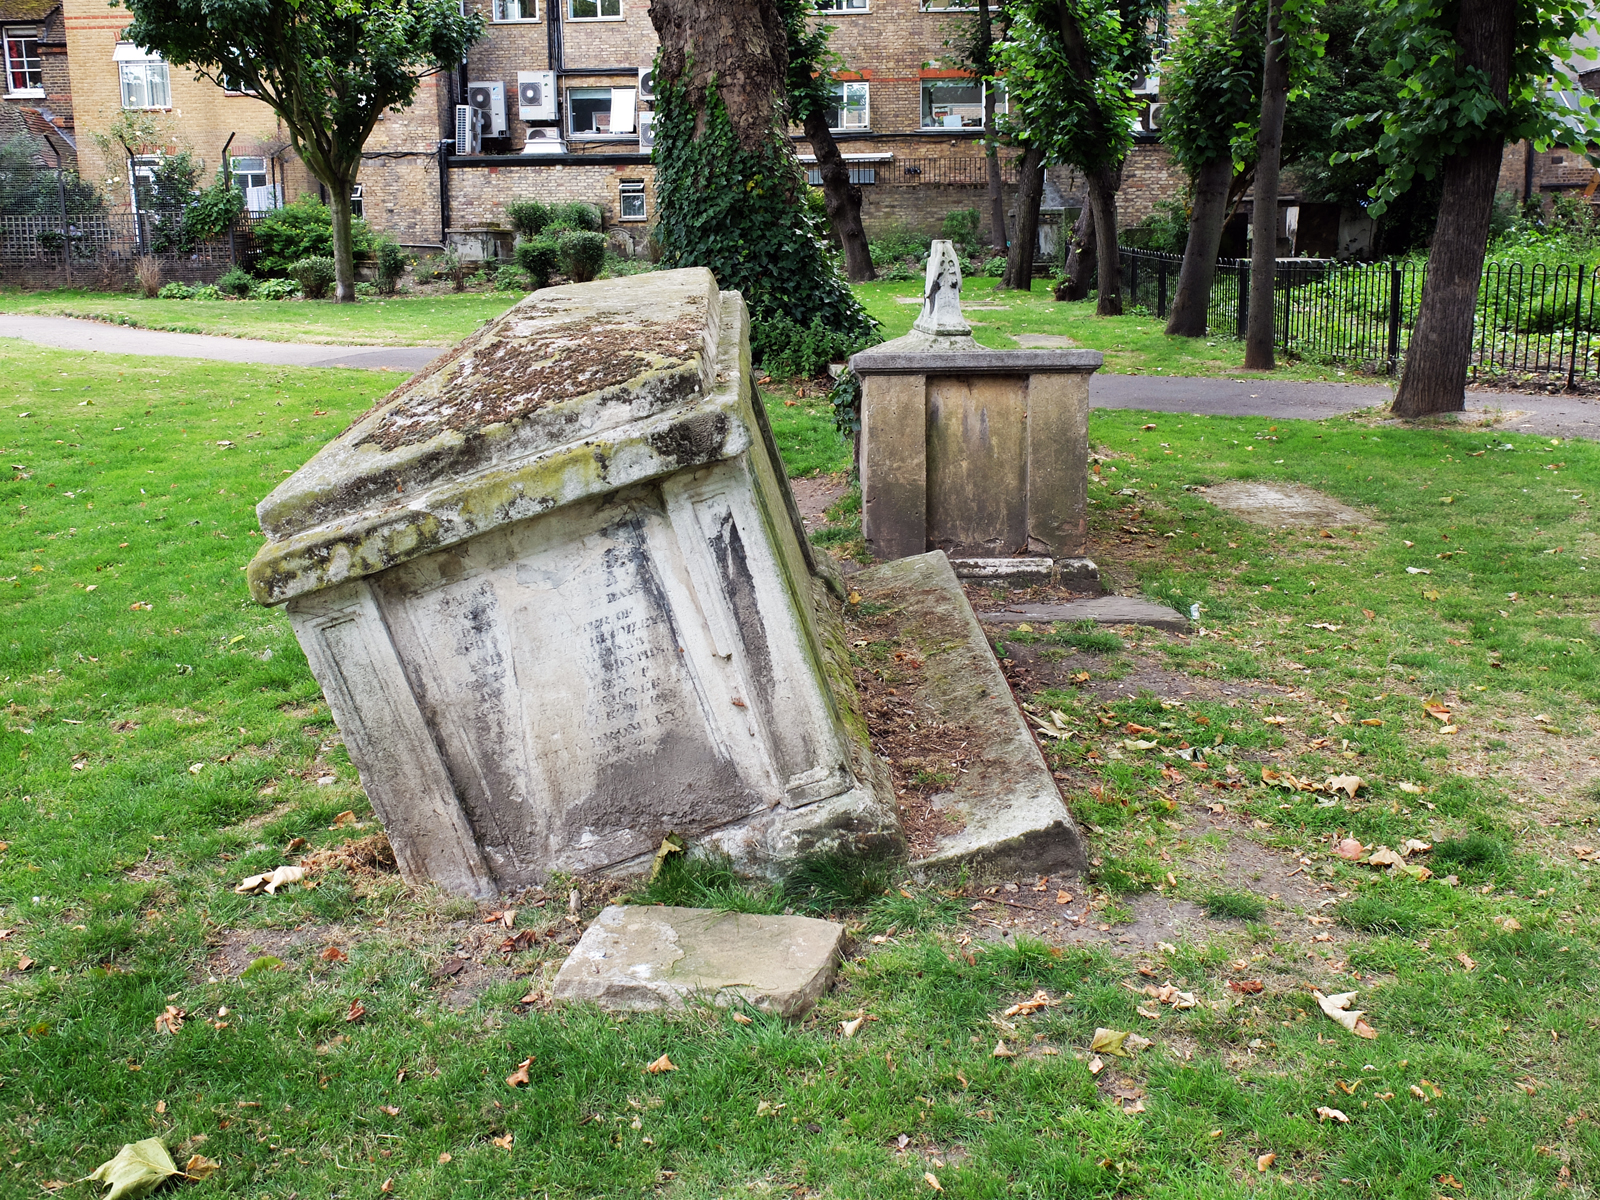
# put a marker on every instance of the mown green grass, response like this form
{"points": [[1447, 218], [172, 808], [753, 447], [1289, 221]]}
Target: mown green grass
{"points": [[117, 872], [435, 320], [1132, 344]]}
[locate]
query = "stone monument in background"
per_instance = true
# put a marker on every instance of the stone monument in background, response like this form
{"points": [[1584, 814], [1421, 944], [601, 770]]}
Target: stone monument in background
{"points": [[980, 453], [556, 594]]}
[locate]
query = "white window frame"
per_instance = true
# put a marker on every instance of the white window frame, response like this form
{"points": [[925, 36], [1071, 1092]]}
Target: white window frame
{"points": [[499, 11], [600, 7], [953, 6], [133, 61], [358, 201], [242, 174], [842, 109], [17, 36], [1002, 102], [616, 106], [627, 188], [844, 8]]}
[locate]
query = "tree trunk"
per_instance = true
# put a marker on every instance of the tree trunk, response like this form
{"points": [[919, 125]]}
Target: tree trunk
{"points": [[1435, 375], [991, 148], [1258, 354], [1030, 190], [1080, 258], [741, 45], [1193, 299], [344, 263], [1102, 186], [843, 200]]}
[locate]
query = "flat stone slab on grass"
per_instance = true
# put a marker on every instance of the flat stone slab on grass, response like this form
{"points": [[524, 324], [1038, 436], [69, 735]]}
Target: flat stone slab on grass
{"points": [[1004, 810], [1044, 341], [1104, 610], [1281, 504], [636, 958]]}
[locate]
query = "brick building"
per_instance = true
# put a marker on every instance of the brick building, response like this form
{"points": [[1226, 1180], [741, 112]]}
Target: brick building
{"points": [[37, 98]]}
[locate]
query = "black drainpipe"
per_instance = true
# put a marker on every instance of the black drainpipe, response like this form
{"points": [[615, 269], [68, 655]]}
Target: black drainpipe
{"points": [[444, 190]]}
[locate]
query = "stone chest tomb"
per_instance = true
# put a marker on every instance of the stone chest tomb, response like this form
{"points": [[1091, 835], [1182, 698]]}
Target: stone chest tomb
{"points": [[554, 591]]}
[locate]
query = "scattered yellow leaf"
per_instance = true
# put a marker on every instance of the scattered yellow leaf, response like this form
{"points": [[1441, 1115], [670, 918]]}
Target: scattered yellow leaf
{"points": [[848, 1028], [137, 1170], [661, 1066], [445, 1157], [1000, 1050], [1332, 1114], [932, 1181], [503, 1142], [169, 1022], [1109, 1041], [201, 1167], [1264, 1163], [520, 1076]]}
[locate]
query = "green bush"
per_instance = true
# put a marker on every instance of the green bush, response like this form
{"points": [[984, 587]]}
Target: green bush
{"points": [[390, 260], [577, 214], [583, 254], [302, 230], [211, 213], [897, 242], [995, 267], [786, 349], [1166, 229], [175, 291], [510, 279], [207, 291], [276, 289], [314, 275], [237, 282], [539, 257], [961, 226], [528, 217]]}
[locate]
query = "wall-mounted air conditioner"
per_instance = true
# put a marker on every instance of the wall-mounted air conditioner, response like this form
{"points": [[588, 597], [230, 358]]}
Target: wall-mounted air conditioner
{"points": [[647, 83], [489, 98], [536, 95], [647, 130], [544, 139], [469, 125], [1146, 85]]}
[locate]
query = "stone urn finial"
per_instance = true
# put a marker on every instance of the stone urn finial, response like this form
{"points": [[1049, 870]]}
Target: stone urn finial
{"points": [[941, 295]]}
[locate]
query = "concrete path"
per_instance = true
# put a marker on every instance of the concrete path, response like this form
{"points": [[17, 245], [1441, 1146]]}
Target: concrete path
{"points": [[66, 333], [1555, 416]]}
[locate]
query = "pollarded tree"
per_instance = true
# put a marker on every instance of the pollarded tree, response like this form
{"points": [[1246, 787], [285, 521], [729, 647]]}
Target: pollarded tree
{"points": [[812, 94], [1210, 91], [1069, 68], [1476, 74], [328, 68], [729, 189]]}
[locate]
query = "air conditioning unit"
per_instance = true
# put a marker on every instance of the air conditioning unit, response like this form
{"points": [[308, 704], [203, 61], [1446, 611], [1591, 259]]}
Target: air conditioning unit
{"points": [[647, 130], [536, 95], [1152, 118], [490, 100], [1146, 85], [469, 129], [647, 83], [544, 139]]}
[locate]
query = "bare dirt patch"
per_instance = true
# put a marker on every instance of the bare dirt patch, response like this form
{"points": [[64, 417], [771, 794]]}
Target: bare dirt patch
{"points": [[1281, 504], [815, 495]]}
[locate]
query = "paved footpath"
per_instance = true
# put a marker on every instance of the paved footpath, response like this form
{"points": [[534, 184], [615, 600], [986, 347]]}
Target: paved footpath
{"points": [[1557, 416]]}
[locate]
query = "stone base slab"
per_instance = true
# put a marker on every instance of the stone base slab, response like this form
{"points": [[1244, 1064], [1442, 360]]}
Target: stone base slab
{"points": [[1008, 813], [1104, 610], [640, 958], [1026, 570]]}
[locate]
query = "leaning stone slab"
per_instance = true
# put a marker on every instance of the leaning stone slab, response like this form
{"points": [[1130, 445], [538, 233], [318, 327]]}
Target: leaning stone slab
{"points": [[557, 595], [1105, 610], [1006, 810], [636, 958]]}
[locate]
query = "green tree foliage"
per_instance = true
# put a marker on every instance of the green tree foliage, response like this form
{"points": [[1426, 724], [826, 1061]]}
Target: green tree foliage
{"points": [[28, 187], [742, 213], [1211, 85], [1441, 106], [328, 68]]}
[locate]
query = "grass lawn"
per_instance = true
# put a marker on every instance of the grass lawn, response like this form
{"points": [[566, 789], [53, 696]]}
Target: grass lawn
{"points": [[435, 320], [162, 738]]}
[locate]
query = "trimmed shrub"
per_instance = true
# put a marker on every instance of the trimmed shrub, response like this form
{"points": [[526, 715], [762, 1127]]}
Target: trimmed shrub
{"points": [[390, 261], [961, 226], [237, 282], [510, 279], [539, 257], [583, 255], [276, 289], [314, 275], [302, 230], [207, 291], [176, 291], [577, 214], [528, 217]]}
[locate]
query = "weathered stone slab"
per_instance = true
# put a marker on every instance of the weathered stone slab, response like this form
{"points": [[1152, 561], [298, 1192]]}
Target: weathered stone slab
{"points": [[556, 593], [1105, 610], [640, 957], [1006, 808], [1281, 504]]}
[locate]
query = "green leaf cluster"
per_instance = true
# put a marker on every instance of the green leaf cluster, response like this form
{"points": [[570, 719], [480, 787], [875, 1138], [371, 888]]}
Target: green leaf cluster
{"points": [[1211, 83], [741, 212], [302, 229]]}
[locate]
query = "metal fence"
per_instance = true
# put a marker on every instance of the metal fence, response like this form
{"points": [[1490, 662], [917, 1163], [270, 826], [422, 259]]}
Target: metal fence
{"points": [[95, 248], [1531, 319]]}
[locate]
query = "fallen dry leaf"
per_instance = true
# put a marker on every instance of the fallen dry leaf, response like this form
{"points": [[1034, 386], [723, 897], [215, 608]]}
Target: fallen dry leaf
{"points": [[347, 817], [201, 1167], [387, 1185], [520, 1076], [1063, 897], [1153, 1013], [1438, 712], [1349, 1089], [356, 1013], [504, 1142], [334, 954], [170, 1022], [270, 881], [1350, 850], [1096, 1065], [932, 1181], [137, 1170], [1348, 784], [389, 1110], [1109, 1041], [1275, 720], [661, 1066], [1508, 924], [1412, 789], [1264, 1163], [1000, 1050], [24, 962], [1136, 1043], [848, 1028], [1413, 846], [1385, 857], [1247, 987], [1466, 961], [445, 1157], [1136, 1107], [1338, 1008], [740, 1018], [1332, 1114]]}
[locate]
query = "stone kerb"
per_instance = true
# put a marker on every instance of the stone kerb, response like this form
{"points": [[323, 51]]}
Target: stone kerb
{"points": [[556, 596], [980, 453]]}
